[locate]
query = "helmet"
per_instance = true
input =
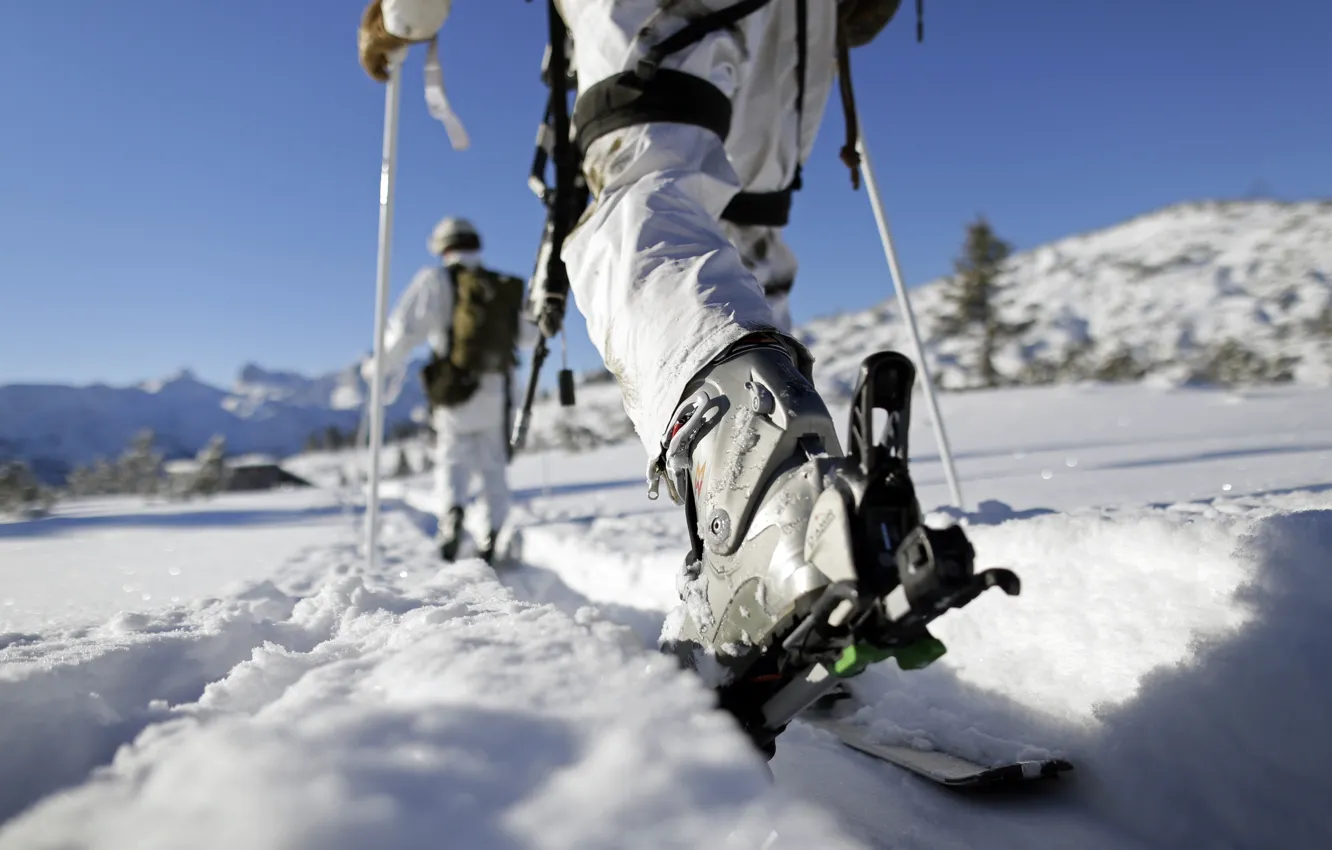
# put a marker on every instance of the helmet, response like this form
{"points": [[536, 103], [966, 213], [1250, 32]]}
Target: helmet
{"points": [[454, 234]]}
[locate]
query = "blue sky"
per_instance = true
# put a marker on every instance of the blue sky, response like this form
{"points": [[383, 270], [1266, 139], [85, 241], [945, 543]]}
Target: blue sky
{"points": [[195, 184]]}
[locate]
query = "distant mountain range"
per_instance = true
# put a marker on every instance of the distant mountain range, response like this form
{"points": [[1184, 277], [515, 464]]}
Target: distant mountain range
{"points": [[1233, 292], [57, 427]]}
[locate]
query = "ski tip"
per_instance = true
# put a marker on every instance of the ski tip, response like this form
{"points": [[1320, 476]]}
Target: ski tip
{"points": [[1014, 774], [1043, 768]]}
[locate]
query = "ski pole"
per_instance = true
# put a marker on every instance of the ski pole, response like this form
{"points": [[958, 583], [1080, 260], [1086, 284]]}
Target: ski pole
{"points": [[387, 170], [519, 436], [889, 252]]}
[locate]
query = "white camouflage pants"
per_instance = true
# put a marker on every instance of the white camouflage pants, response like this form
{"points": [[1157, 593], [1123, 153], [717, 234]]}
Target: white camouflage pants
{"points": [[471, 440], [663, 288]]}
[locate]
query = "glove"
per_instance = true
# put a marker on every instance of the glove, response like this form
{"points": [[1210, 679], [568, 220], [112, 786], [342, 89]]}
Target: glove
{"points": [[544, 309], [550, 315], [375, 44], [415, 20]]}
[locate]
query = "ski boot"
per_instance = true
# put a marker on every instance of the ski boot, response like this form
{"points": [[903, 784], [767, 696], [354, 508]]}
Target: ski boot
{"points": [[805, 564], [488, 546], [451, 533]]}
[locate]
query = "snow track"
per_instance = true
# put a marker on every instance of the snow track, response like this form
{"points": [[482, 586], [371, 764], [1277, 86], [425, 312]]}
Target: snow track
{"points": [[69, 702], [405, 709]]}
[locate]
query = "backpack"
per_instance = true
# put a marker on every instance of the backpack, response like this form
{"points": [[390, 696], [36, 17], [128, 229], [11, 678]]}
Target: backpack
{"points": [[483, 334]]}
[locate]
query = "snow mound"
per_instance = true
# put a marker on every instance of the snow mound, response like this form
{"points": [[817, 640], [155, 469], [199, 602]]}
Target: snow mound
{"points": [[68, 701], [1178, 656], [421, 706]]}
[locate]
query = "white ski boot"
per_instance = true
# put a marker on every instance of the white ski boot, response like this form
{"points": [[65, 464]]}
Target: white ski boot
{"points": [[806, 564]]}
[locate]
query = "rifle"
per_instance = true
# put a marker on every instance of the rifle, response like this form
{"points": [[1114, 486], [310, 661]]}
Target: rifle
{"points": [[564, 203]]}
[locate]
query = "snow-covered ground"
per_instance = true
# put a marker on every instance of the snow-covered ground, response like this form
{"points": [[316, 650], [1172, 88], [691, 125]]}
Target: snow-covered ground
{"points": [[100, 556], [1171, 639]]}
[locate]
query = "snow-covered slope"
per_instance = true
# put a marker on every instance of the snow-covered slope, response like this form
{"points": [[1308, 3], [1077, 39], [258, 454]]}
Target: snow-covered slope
{"points": [[1228, 292], [1170, 639]]}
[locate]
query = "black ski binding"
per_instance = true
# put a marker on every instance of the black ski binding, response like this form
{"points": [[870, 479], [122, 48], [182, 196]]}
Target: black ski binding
{"points": [[901, 574]]}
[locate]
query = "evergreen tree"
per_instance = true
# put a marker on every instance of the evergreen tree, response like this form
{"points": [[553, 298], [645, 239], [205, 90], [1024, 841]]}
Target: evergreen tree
{"points": [[403, 467], [20, 491], [332, 438], [99, 479], [404, 430], [140, 469], [972, 297], [212, 473]]}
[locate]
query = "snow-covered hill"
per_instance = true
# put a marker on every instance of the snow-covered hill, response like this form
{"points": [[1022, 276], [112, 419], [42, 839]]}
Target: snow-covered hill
{"points": [[1235, 292]]}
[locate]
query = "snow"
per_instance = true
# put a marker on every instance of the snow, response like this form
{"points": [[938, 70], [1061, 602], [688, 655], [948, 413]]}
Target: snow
{"points": [[102, 556], [1170, 639], [390, 711], [1189, 688], [1170, 288]]}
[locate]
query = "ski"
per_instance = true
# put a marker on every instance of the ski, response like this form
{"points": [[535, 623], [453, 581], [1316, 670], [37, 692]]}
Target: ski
{"points": [[941, 768]]}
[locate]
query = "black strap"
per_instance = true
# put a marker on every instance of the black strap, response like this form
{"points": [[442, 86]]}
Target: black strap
{"points": [[508, 413], [451, 269], [849, 154], [802, 49], [670, 96], [694, 32], [761, 209], [564, 205], [773, 209], [650, 93]]}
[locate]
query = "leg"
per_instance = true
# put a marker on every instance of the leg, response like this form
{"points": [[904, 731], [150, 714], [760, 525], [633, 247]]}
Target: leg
{"points": [[793, 547], [492, 462], [771, 261], [452, 475], [675, 312], [663, 289]]}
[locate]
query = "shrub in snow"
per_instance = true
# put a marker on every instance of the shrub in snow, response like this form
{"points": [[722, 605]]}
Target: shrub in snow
{"points": [[1233, 364], [21, 494], [140, 469], [212, 474], [403, 467]]}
